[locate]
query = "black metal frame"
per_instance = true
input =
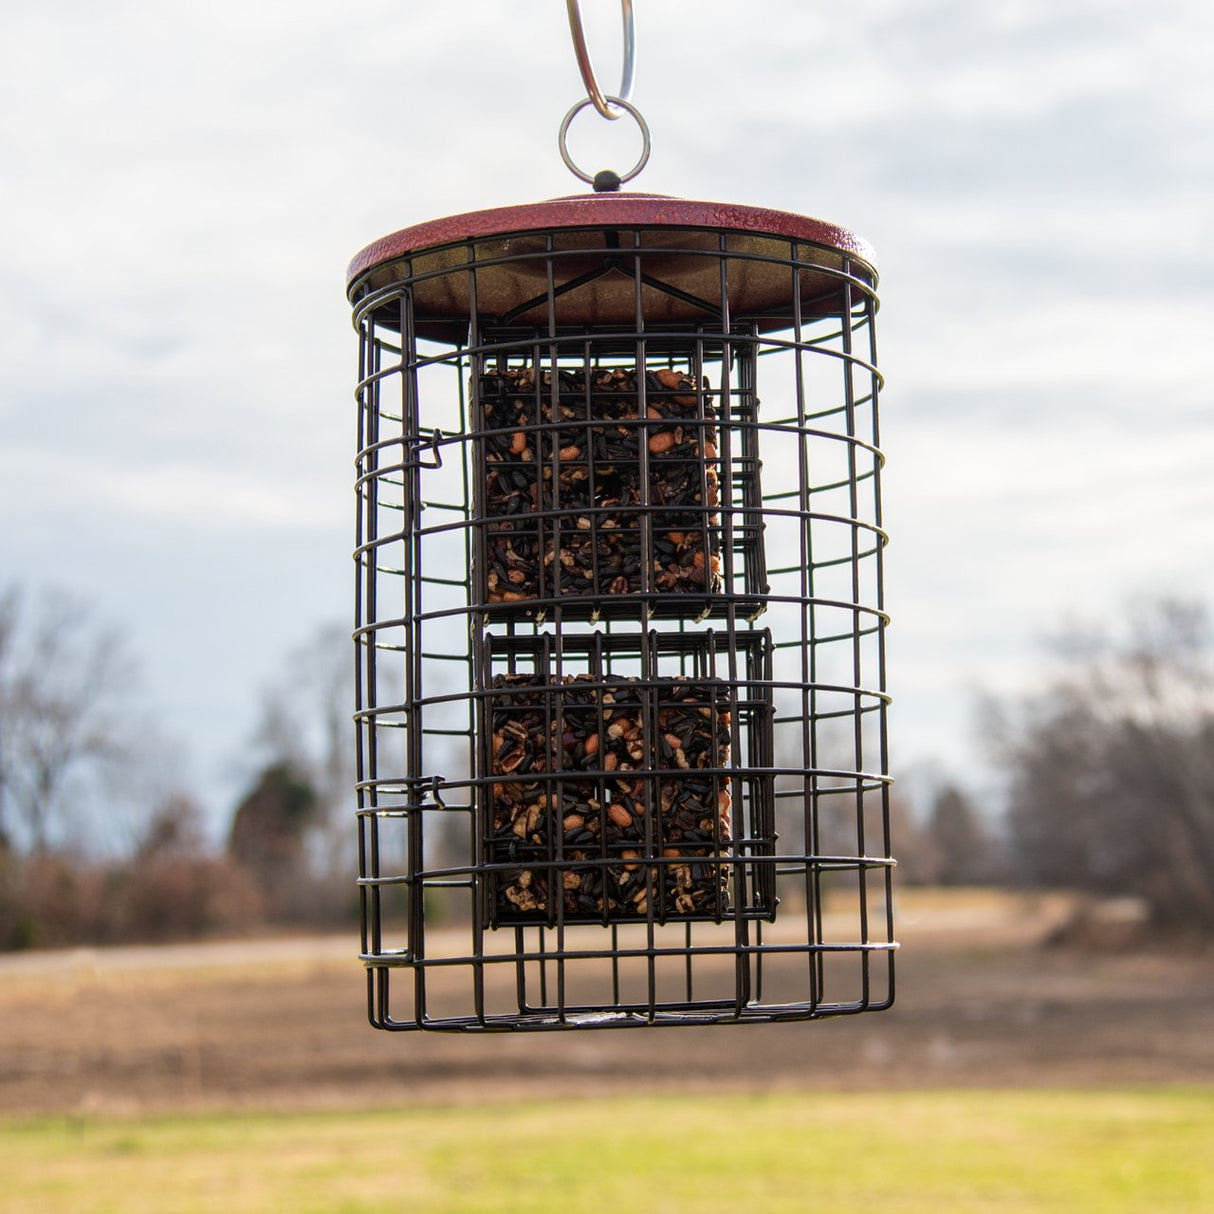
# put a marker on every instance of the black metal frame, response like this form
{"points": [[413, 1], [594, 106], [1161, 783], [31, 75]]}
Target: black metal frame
{"points": [[786, 634]]}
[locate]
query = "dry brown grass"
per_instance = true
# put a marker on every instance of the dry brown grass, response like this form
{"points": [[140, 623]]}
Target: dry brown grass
{"points": [[281, 1024]]}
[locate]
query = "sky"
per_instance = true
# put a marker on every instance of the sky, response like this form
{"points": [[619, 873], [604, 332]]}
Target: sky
{"points": [[183, 186]]}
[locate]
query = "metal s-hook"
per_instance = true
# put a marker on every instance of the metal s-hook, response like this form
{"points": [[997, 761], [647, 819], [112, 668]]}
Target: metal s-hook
{"points": [[587, 68], [433, 445]]}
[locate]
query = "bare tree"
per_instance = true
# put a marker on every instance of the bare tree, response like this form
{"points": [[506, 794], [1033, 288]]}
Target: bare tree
{"points": [[306, 713], [1112, 766], [302, 851], [174, 828], [306, 724], [8, 629], [268, 836], [963, 842], [64, 679]]}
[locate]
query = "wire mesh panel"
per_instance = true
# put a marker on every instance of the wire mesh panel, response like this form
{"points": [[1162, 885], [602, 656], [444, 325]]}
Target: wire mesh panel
{"points": [[601, 483], [621, 702], [610, 791]]}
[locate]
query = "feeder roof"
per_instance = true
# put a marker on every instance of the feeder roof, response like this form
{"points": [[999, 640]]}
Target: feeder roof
{"points": [[679, 246]]}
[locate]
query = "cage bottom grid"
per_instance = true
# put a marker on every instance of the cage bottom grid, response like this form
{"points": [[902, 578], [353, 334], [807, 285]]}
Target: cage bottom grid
{"points": [[829, 953]]}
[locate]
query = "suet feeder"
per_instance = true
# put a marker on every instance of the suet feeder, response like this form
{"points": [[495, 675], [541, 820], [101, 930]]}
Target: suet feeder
{"points": [[621, 703]]}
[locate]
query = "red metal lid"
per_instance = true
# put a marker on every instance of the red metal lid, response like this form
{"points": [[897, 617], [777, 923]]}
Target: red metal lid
{"points": [[590, 244], [594, 210]]}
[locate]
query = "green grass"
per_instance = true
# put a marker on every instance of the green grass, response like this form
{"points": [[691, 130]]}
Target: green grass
{"points": [[1088, 1152]]}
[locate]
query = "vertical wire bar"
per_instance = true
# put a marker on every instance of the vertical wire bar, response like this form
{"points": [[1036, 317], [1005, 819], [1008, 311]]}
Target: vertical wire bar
{"points": [[415, 819], [882, 713], [365, 345], [520, 968], [769, 823], [760, 793], [555, 840], [811, 838], [741, 938], [598, 672], [703, 410], [554, 676], [414, 691], [592, 476], [615, 963], [725, 487], [737, 874], [554, 720], [650, 699], [547, 692], [734, 885], [370, 474], [687, 967], [741, 757], [754, 562], [553, 527], [541, 949], [476, 555], [857, 672], [646, 520], [547, 526]]}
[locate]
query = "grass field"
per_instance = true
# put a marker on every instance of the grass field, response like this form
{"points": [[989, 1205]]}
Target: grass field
{"points": [[241, 1076], [903, 1153]]}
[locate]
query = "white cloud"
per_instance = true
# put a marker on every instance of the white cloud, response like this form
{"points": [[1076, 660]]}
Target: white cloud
{"points": [[186, 184]]}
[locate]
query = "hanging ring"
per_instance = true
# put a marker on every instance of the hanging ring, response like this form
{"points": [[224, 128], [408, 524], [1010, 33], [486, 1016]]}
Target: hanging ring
{"points": [[593, 91], [624, 105]]}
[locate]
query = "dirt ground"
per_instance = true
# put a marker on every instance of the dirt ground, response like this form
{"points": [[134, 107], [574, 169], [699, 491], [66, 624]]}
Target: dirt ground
{"points": [[282, 1024]]}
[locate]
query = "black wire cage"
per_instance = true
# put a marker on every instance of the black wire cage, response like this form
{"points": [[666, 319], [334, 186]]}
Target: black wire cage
{"points": [[621, 707]]}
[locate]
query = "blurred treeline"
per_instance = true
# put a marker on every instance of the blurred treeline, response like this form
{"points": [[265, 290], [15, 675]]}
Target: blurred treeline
{"points": [[1106, 780], [100, 838]]}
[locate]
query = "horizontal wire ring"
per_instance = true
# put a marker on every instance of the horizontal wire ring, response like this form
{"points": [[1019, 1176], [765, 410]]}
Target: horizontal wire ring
{"points": [[624, 105]]}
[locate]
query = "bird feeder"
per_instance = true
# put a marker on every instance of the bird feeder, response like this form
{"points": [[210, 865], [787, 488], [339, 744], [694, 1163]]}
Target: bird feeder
{"points": [[621, 705]]}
